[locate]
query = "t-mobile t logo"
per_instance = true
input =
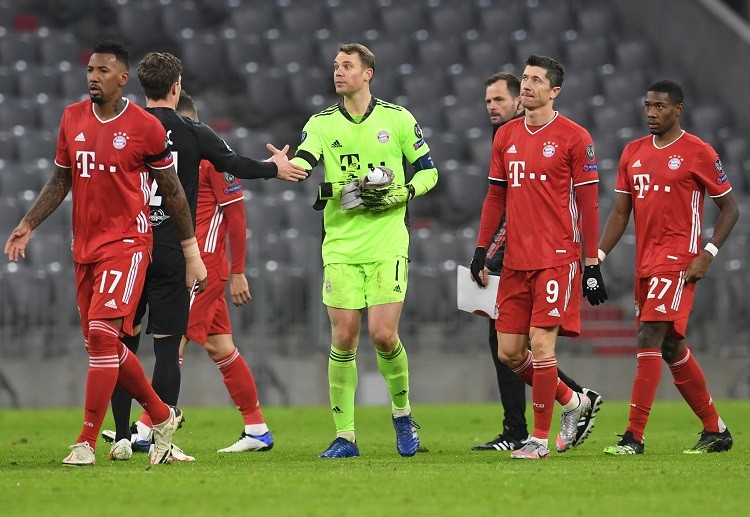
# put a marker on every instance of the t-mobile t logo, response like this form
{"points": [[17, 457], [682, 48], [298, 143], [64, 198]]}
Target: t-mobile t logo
{"points": [[86, 162], [641, 182], [516, 172]]}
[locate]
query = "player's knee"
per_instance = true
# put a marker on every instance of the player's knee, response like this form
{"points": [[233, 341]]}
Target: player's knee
{"points": [[384, 338], [671, 349]]}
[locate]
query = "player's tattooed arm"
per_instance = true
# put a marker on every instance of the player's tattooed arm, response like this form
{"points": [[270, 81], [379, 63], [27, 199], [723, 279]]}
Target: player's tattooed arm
{"points": [[53, 193], [175, 202]]}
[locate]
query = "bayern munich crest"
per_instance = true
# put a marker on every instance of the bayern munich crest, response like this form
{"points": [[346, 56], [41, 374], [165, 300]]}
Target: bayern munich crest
{"points": [[383, 137], [549, 149], [120, 140], [674, 162]]}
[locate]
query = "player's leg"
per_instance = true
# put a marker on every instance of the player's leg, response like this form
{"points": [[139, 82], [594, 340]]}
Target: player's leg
{"points": [[647, 377], [513, 398], [691, 383], [385, 289], [343, 295], [241, 387]]}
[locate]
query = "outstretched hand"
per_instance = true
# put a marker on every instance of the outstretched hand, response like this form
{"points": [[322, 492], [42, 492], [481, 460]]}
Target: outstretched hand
{"points": [[287, 170], [15, 246]]}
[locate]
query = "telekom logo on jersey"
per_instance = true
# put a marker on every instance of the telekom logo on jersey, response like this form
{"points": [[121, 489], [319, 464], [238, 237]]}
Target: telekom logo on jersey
{"points": [[86, 163], [641, 182], [518, 172]]}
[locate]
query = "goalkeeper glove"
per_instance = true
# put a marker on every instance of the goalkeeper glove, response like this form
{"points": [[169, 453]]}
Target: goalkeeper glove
{"points": [[477, 264], [382, 198], [331, 190], [593, 285], [351, 196]]}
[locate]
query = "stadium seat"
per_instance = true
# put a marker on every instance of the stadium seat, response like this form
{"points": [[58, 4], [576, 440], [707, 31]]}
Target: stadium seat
{"points": [[585, 53], [50, 112], [285, 51], [242, 49], [505, 18], [267, 91], [633, 55], [253, 18], [579, 86], [624, 87], [462, 118], [451, 18], [10, 211], [36, 79], [307, 83], [468, 88], [597, 18], [428, 118], [424, 87], [60, 46], [447, 146], [438, 53], [139, 25], [177, 16], [403, 18], [353, 18], [488, 55], [19, 46], [545, 46], [22, 177], [465, 192], [303, 18], [34, 144], [202, 61], [610, 117], [392, 52], [17, 112], [549, 18]]}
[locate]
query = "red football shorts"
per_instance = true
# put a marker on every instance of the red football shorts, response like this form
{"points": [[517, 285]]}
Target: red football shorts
{"points": [[540, 298], [111, 289], [665, 297], [209, 313]]}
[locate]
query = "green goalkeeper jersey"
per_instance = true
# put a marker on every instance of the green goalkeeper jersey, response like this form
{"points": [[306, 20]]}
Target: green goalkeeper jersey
{"points": [[385, 135]]}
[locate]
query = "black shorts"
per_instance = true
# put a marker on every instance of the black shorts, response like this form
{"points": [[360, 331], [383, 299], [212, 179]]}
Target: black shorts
{"points": [[165, 294]]}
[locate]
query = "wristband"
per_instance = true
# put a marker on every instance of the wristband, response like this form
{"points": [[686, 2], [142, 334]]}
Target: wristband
{"points": [[601, 255], [713, 250], [190, 247]]}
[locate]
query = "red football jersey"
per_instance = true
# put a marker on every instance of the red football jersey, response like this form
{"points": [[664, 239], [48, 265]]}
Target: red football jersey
{"points": [[215, 190], [542, 166], [668, 185], [111, 179]]}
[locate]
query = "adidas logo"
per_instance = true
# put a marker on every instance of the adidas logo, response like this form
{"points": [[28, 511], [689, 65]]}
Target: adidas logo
{"points": [[397, 289], [80, 138], [554, 312], [111, 304], [336, 409], [402, 392], [661, 308], [512, 149], [336, 144], [637, 163]]}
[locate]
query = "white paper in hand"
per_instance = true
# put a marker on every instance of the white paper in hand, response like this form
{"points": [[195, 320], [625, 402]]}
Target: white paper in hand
{"points": [[472, 298]]}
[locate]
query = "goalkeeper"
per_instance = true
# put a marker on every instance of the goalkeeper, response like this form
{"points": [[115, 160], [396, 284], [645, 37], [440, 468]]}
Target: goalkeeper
{"points": [[362, 142]]}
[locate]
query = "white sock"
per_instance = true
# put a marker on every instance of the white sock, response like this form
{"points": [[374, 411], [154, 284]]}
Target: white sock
{"points": [[347, 435], [543, 441], [574, 402], [398, 412], [722, 425], [256, 429], [144, 431]]}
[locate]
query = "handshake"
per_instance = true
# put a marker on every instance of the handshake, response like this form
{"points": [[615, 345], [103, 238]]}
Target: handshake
{"points": [[375, 191]]}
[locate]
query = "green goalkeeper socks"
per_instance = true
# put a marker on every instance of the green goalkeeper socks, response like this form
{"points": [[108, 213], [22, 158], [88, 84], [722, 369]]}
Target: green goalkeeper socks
{"points": [[394, 366], [342, 384]]}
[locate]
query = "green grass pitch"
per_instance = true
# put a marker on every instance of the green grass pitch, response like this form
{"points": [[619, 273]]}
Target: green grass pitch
{"points": [[450, 479]]}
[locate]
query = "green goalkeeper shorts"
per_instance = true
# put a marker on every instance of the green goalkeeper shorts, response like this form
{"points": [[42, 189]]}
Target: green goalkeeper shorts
{"points": [[355, 286]]}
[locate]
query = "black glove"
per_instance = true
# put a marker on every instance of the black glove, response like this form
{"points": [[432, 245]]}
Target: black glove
{"points": [[477, 264], [593, 285]]}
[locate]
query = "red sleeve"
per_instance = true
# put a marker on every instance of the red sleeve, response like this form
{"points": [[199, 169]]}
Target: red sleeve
{"points": [[492, 213], [235, 216], [587, 197], [583, 159], [710, 173]]}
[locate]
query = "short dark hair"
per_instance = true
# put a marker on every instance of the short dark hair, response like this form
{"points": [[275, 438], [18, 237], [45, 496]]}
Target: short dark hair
{"points": [[555, 71], [511, 80], [365, 54], [111, 46], [157, 72], [671, 88], [185, 105]]}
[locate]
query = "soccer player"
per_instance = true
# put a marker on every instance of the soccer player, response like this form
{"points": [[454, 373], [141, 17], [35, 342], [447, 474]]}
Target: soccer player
{"points": [[663, 179], [220, 211], [366, 243], [160, 77], [107, 151], [502, 96], [543, 171]]}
